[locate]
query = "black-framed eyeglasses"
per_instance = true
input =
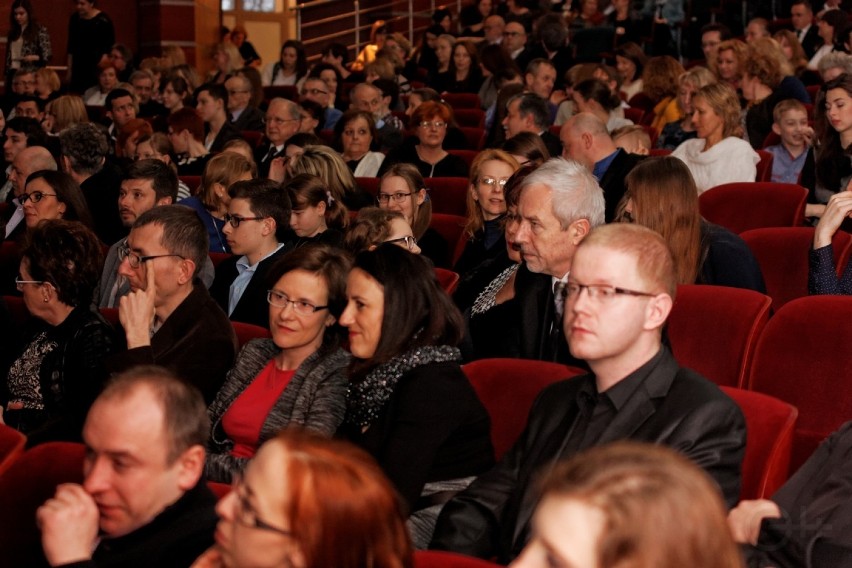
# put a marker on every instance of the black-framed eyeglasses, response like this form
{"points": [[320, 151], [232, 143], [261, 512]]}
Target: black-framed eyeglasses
{"points": [[600, 292], [135, 260], [410, 242], [246, 515], [314, 92], [36, 196], [282, 300], [395, 197], [235, 220], [19, 282]]}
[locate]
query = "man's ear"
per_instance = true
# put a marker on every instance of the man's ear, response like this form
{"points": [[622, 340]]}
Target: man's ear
{"points": [[588, 139], [187, 271], [579, 229], [658, 310], [191, 466]]}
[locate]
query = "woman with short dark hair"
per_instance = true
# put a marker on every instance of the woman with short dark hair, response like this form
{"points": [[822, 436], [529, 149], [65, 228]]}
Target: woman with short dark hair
{"points": [[59, 370], [409, 403], [50, 195]]}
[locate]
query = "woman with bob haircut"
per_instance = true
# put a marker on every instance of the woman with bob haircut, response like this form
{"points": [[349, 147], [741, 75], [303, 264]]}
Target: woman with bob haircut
{"points": [[186, 135], [357, 136], [328, 165], [317, 217], [64, 112], [630, 61], [717, 155], [731, 56], [175, 92], [403, 189], [486, 212], [212, 200], [527, 148], [295, 378], [59, 370], [409, 404], [129, 135], [630, 504], [662, 196], [226, 60], [682, 129], [310, 502], [50, 195], [425, 150]]}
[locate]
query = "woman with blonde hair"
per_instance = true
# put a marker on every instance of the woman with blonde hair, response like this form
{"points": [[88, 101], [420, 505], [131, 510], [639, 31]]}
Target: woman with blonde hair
{"points": [[328, 165], [47, 84], [374, 226], [679, 130], [212, 200], [662, 196], [659, 83], [226, 59], [316, 217], [63, 112], [484, 254], [630, 504], [718, 154], [793, 50], [731, 56]]}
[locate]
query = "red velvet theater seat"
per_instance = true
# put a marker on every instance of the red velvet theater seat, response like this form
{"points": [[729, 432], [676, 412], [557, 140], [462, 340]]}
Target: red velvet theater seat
{"points": [[24, 487], [448, 194], [447, 279], [508, 388], [769, 440], [802, 358], [714, 330], [743, 206], [11, 445], [438, 559], [782, 253]]}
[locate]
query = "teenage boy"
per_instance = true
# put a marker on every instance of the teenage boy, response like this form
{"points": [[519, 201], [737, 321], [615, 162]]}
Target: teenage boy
{"points": [[791, 124]]}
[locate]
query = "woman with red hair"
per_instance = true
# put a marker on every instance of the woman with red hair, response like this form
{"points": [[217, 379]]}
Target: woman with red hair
{"points": [[309, 502]]}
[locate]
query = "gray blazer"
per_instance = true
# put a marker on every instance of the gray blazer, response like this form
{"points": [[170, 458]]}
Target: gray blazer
{"points": [[315, 399]]}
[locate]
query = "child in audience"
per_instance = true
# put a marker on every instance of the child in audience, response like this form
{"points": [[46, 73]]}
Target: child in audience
{"points": [[791, 124], [633, 139]]}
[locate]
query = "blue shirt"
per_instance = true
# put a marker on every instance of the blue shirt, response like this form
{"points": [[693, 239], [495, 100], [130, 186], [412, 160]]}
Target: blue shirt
{"points": [[245, 271], [786, 168], [602, 166]]}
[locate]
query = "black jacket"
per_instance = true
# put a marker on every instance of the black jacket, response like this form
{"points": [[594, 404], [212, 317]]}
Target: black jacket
{"points": [[250, 119], [671, 406], [612, 182]]}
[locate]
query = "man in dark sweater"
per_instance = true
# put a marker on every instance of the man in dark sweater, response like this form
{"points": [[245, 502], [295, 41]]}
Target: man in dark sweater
{"points": [[142, 501]]}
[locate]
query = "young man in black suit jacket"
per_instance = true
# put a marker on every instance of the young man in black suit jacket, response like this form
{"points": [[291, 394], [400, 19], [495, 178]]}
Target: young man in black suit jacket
{"points": [[256, 227], [619, 294]]}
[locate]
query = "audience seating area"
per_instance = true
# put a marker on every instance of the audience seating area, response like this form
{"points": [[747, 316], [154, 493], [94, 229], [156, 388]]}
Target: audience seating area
{"points": [[743, 206]]}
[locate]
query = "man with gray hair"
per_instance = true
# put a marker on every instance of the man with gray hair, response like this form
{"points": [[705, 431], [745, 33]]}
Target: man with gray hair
{"points": [[84, 157], [528, 112], [27, 161], [586, 140], [834, 64], [283, 118]]}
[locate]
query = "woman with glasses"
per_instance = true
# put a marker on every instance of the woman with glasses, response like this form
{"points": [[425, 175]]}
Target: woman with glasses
{"points": [[375, 226], [402, 189], [51, 195], [295, 378], [212, 199], [426, 149], [409, 404], [58, 371], [661, 195], [484, 255], [357, 136], [317, 217], [310, 502]]}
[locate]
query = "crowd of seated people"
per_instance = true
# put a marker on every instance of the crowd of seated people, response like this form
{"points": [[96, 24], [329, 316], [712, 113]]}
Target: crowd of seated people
{"points": [[152, 221]]}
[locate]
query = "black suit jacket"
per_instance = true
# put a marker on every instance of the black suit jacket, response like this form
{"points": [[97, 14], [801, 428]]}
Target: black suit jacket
{"points": [[252, 307], [534, 297], [552, 142], [612, 182], [672, 406], [228, 133], [811, 42], [260, 158], [250, 119]]}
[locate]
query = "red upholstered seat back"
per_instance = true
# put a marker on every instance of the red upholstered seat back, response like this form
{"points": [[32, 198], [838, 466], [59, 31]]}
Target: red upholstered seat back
{"points": [[448, 194], [439, 559], [507, 389], [246, 332], [447, 279], [743, 206], [11, 445], [782, 253], [769, 424], [462, 100], [802, 358], [451, 227], [714, 330], [24, 487]]}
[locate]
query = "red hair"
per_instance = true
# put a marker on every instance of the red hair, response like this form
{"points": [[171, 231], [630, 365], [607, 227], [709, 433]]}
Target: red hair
{"points": [[342, 509]]}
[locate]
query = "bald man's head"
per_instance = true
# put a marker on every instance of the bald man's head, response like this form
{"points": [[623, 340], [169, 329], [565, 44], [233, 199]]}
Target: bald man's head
{"points": [[585, 139], [28, 161]]}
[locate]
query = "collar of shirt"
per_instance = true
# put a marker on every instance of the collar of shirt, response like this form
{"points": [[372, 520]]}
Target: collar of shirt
{"points": [[603, 165], [619, 394], [243, 263]]}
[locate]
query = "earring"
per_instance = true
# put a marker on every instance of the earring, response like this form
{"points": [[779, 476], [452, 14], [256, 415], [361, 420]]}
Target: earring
{"points": [[46, 299]]}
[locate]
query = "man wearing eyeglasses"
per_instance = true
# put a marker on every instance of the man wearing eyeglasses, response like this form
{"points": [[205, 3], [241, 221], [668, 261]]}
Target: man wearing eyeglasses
{"points": [[256, 227], [283, 118], [143, 501], [168, 317], [243, 115], [617, 298], [316, 90]]}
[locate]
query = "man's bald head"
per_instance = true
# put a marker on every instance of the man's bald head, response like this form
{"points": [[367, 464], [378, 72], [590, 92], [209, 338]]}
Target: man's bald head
{"points": [[29, 160], [585, 139]]}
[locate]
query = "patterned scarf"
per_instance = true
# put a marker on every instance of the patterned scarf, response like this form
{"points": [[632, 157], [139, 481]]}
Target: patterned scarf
{"points": [[367, 398]]}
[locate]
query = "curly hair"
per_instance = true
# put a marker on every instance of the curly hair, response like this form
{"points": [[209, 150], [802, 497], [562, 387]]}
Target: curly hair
{"points": [[659, 78], [85, 145]]}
